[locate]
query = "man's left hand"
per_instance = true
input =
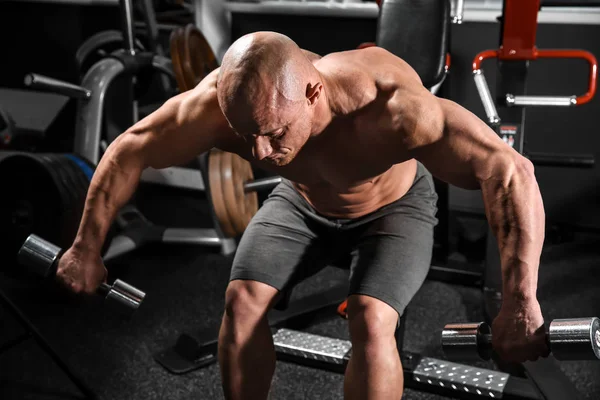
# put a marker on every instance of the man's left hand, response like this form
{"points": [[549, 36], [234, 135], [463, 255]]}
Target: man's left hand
{"points": [[518, 332]]}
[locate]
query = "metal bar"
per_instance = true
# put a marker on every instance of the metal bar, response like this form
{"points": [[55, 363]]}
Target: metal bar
{"points": [[36, 81], [456, 275], [519, 28], [486, 97], [459, 8], [262, 184], [562, 160], [198, 236], [581, 54], [540, 101], [152, 29], [484, 55], [126, 7], [578, 54], [88, 127]]}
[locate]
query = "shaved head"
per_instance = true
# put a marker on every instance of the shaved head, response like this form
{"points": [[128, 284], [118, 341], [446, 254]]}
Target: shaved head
{"points": [[263, 67], [264, 83]]}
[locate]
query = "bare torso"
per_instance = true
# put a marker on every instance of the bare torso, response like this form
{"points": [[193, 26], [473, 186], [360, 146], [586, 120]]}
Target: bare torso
{"points": [[351, 169]]}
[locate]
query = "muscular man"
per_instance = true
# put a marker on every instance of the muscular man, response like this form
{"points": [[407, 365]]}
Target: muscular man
{"points": [[354, 135]]}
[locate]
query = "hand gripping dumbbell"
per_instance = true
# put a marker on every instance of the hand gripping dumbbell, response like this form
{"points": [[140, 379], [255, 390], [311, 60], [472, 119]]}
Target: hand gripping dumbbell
{"points": [[41, 257], [568, 339]]}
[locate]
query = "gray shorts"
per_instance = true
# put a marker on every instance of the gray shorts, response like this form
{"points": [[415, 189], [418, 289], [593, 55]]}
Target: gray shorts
{"points": [[388, 251]]}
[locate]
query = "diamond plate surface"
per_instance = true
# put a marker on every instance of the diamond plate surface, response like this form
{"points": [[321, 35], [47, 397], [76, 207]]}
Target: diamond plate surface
{"points": [[460, 377], [307, 345]]}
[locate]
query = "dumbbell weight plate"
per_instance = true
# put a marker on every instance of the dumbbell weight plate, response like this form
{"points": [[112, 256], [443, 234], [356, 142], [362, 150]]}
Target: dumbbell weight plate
{"points": [[575, 339]]}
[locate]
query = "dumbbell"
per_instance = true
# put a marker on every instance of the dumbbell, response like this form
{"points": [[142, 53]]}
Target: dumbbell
{"points": [[568, 339], [41, 258]]}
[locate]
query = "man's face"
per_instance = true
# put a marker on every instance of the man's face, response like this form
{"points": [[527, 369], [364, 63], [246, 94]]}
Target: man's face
{"points": [[276, 134]]}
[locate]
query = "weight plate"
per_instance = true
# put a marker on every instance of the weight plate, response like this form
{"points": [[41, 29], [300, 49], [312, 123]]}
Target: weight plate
{"points": [[198, 58], [216, 192], [575, 338], [176, 58], [241, 205], [30, 203]]}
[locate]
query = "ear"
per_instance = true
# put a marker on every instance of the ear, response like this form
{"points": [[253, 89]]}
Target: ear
{"points": [[313, 92]]}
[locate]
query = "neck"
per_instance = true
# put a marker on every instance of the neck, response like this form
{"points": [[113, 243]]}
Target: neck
{"points": [[329, 108]]}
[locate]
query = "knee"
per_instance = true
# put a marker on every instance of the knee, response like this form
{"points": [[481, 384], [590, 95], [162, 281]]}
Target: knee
{"points": [[248, 300], [371, 321]]}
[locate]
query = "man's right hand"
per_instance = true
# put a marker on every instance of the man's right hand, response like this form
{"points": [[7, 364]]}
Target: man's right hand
{"points": [[81, 272]]}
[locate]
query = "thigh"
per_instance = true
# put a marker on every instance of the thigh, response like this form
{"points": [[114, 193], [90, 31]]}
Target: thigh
{"points": [[281, 245], [392, 254]]}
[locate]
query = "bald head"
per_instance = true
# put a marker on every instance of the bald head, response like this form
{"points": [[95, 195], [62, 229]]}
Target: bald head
{"points": [[262, 76]]}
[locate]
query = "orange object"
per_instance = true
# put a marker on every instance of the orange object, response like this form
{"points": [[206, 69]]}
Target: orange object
{"points": [[558, 53], [342, 309]]}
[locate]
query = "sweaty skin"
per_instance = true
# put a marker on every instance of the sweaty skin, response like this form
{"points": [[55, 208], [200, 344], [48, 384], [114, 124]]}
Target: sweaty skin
{"points": [[347, 129]]}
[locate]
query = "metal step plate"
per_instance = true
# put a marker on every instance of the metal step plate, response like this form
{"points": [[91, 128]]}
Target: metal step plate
{"points": [[460, 377], [432, 372], [314, 347]]}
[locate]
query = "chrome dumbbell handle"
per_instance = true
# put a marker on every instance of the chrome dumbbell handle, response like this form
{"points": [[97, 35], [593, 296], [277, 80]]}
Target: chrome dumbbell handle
{"points": [[568, 339], [41, 258]]}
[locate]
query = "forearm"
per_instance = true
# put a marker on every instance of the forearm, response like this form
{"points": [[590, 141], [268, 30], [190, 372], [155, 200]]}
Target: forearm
{"points": [[515, 213], [114, 182]]}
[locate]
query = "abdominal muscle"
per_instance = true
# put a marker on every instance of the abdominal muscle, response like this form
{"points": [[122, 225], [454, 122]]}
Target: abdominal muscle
{"points": [[356, 200]]}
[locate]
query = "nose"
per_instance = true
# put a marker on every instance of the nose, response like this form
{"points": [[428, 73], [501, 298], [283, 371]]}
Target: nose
{"points": [[262, 147]]}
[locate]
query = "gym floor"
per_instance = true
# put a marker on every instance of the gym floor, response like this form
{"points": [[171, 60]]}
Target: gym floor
{"points": [[185, 286]]}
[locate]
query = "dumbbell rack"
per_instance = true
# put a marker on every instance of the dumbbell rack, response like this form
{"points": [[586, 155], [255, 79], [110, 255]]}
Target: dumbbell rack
{"points": [[32, 333]]}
